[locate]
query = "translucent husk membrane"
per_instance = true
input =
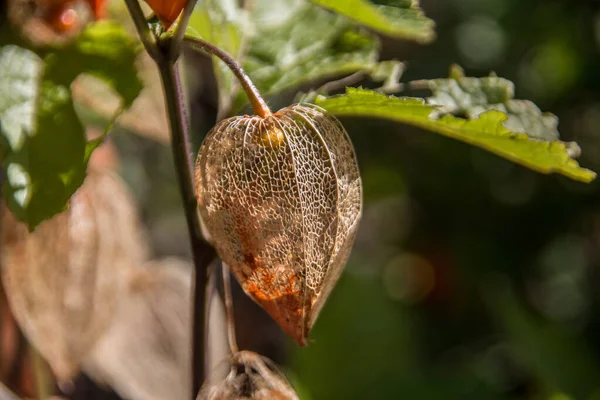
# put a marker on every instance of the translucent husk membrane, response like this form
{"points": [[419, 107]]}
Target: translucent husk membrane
{"points": [[281, 197]]}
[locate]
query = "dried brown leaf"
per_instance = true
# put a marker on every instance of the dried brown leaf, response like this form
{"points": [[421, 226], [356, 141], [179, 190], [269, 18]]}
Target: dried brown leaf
{"points": [[145, 354], [281, 198], [63, 280]]}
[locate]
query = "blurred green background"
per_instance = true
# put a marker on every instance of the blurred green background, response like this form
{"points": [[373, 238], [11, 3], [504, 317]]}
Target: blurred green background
{"points": [[471, 277]]}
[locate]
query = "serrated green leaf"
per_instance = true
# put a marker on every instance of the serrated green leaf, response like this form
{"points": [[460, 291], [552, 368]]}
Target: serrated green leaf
{"points": [[404, 20], [289, 43], [43, 145], [460, 95], [486, 131], [311, 46]]}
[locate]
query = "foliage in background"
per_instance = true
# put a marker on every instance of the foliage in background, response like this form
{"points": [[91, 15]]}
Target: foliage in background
{"points": [[305, 44], [44, 146]]}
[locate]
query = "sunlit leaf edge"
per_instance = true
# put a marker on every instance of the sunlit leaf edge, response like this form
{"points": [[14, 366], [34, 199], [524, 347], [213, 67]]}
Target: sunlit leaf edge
{"points": [[487, 131], [418, 28]]}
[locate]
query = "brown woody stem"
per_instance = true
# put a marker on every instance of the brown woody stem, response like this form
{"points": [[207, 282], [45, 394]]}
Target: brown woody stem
{"points": [[202, 252], [259, 105], [141, 25], [180, 30], [165, 53]]}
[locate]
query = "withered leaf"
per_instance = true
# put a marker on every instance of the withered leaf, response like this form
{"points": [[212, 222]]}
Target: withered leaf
{"points": [[145, 354], [63, 280], [281, 198]]}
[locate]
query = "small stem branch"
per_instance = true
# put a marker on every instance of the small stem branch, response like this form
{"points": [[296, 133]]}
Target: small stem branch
{"points": [[141, 25], [202, 252], [341, 83], [422, 84], [259, 105], [229, 312], [181, 28]]}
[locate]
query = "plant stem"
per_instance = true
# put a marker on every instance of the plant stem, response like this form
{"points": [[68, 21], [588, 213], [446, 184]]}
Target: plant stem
{"points": [[202, 252], [165, 53], [229, 311], [259, 105], [141, 25], [180, 31]]}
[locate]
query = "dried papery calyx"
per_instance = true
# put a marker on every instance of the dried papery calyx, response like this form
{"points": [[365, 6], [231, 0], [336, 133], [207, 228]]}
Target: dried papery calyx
{"points": [[251, 377], [281, 196], [63, 280]]}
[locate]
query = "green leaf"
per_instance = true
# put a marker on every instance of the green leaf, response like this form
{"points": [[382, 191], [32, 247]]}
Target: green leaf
{"points": [[487, 130], [43, 144], [284, 44], [470, 97], [404, 20], [311, 45]]}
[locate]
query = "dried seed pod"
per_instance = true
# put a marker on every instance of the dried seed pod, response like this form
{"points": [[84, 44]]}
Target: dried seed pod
{"points": [[281, 197], [63, 280], [251, 377]]}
